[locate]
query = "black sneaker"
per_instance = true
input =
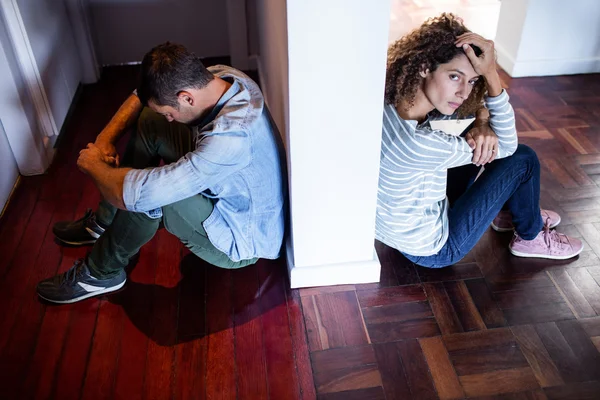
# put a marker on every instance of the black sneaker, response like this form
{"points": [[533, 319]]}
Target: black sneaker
{"points": [[77, 284], [78, 233]]}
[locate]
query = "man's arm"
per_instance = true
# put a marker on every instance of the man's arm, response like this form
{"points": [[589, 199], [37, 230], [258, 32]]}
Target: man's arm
{"points": [[124, 118], [108, 179]]}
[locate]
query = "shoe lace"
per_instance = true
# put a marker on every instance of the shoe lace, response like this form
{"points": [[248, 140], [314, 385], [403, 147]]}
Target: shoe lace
{"points": [[554, 239], [73, 272]]}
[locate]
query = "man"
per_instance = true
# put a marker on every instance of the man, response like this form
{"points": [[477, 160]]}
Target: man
{"points": [[220, 190]]}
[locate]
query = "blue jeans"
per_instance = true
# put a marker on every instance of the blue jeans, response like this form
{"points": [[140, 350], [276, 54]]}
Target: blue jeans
{"points": [[514, 181]]}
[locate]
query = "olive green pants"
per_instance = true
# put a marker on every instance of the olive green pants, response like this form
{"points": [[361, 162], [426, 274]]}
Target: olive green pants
{"points": [[156, 139]]}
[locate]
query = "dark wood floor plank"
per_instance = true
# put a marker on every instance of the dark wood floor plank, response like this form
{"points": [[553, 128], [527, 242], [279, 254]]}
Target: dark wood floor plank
{"points": [[587, 286], [452, 273], [393, 374], [487, 359], [464, 306], [528, 298], [24, 336], [300, 343], [160, 361], [540, 361], [282, 378], [375, 393], [417, 371], [336, 318], [575, 391], [42, 369], [442, 371], [582, 347], [400, 321], [488, 309], [220, 376], [249, 341], [528, 395], [477, 339], [346, 368], [578, 302], [22, 266], [561, 353], [100, 373], [385, 296], [73, 362], [15, 219], [537, 314], [443, 309], [499, 382], [591, 326], [137, 303], [514, 280], [316, 342]]}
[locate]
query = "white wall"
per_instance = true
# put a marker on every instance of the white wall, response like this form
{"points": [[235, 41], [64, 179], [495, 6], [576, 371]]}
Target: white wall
{"points": [[10, 107], [8, 166], [322, 65], [51, 37], [18, 115], [126, 29], [549, 37], [273, 60]]}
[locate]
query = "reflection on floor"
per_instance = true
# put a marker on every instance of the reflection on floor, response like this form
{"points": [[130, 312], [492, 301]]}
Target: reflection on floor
{"points": [[480, 16]]}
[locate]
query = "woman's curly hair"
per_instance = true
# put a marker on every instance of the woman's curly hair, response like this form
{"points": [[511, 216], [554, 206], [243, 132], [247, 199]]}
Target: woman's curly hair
{"points": [[427, 47]]}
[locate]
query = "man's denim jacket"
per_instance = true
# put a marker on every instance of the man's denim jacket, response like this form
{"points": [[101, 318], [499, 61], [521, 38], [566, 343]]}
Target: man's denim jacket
{"points": [[237, 163]]}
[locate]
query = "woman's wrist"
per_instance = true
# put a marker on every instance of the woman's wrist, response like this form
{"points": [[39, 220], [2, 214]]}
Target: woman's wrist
{"points": [[493, 83]]}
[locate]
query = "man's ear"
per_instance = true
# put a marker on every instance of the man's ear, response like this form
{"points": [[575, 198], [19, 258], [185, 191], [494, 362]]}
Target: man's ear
{"points": [[186, 97]]}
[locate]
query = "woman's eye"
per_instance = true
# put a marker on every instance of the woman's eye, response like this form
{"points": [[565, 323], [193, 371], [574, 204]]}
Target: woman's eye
{"points": [[454, 77]]}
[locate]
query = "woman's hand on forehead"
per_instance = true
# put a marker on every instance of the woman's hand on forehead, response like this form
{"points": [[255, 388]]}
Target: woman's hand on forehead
{"points": [[485, 64]]}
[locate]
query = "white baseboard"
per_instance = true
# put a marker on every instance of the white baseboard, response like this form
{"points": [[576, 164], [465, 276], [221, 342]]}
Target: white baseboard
{"points": [[367, 271], [520, 69]]}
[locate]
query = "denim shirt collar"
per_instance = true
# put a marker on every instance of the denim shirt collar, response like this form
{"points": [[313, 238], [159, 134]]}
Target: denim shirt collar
{"points": [[229, 93]]}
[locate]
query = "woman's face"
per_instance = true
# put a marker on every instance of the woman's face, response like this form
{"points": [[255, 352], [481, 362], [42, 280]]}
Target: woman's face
{"points": [[450, 84]]}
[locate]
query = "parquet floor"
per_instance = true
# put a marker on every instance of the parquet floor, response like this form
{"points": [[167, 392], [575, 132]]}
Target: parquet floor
{"points": [[492, 326]]}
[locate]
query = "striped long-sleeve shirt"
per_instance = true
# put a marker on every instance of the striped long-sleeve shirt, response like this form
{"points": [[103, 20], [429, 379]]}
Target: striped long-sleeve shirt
{"points": [[412, 208]]}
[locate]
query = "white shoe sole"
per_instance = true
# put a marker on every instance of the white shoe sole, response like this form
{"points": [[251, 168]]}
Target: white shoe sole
{"points": [[87, 295], [546, 256], [498, 229]]}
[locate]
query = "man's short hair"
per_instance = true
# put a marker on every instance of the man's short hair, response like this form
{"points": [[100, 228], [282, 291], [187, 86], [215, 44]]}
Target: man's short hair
{"points": [[168, 69]]}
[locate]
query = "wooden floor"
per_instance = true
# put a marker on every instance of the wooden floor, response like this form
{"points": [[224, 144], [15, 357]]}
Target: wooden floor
{"points": [[493, 325]]}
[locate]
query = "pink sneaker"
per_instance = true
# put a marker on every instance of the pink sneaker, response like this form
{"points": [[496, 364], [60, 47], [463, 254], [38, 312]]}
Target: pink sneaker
{"points": [[547, 244], [503, 221]]}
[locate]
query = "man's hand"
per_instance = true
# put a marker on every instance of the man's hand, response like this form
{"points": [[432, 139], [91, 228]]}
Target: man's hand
{"points": [[108, 178], [484, 143], [109, 150], [91, 158]]}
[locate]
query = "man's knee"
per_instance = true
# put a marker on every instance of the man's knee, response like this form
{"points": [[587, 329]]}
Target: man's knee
{"points": [[149, 121]]}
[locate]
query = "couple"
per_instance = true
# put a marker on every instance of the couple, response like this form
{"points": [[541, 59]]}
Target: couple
{"points": [[221, 189]]}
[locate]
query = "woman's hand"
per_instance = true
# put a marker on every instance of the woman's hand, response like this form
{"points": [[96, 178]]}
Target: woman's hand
{"points": [[484, 143], [482, 139], [485, 64]]}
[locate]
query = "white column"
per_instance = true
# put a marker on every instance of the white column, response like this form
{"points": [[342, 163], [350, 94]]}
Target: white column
{"points": [[336, 65], [548, 37]]}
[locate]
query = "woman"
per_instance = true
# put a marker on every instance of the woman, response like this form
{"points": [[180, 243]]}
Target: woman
{"points": [[443, 71]]}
